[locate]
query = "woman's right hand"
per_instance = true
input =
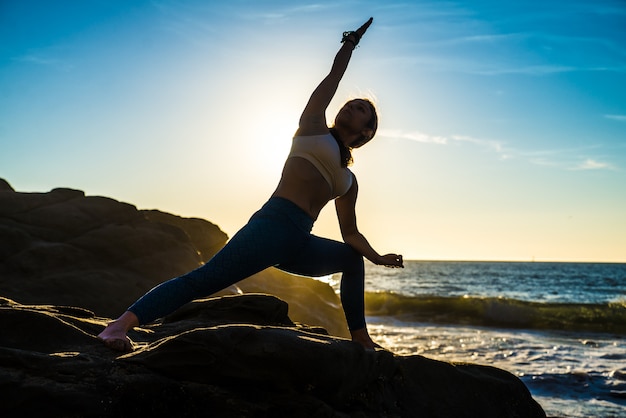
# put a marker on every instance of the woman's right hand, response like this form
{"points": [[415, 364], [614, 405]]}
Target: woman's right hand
{"points": [[361, 31], [355, 36]]}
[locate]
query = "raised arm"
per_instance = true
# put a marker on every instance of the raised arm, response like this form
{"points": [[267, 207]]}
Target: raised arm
{"points": [[313, 119]]}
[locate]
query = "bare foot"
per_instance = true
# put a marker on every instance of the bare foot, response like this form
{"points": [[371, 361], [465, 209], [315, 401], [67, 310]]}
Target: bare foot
{"points": [[114, 335], [115, 339], [362, 337]]}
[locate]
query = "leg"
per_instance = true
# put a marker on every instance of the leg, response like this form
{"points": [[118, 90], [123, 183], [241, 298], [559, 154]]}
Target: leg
{"points": [[323, 256], [260, 244], [263, 242]]}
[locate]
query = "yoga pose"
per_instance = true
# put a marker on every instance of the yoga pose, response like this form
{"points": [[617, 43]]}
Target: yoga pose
{"points": [[279, 234]]}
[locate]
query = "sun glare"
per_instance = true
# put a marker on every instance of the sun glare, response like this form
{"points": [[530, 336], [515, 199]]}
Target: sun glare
{"points": [[270, 141]]}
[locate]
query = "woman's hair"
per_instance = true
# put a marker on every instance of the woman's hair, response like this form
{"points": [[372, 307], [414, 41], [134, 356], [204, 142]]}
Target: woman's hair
{"points": [[345, 152]]}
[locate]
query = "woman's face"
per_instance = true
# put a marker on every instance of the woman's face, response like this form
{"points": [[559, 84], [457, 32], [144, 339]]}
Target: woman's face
{"points": [[354, 115]]}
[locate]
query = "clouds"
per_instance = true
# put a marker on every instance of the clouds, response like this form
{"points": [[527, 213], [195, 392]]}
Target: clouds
{"points": [[413, 136], [491, 145], [569, 159], [46, 60], [492, 39], [529, 83], [590, 164], [533, 53]]}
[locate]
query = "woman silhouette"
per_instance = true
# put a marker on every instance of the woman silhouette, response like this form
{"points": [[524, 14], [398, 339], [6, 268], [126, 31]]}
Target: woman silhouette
{"points": [[279, 234]]}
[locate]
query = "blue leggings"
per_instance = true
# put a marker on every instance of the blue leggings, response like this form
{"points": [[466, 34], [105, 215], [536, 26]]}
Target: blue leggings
{"points": [[279, 235]]}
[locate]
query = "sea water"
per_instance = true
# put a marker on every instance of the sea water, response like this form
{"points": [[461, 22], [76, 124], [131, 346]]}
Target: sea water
{"points": [[559, 327]]}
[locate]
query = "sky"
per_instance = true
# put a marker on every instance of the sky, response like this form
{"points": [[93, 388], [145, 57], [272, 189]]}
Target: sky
{"points": [[502, 131]]}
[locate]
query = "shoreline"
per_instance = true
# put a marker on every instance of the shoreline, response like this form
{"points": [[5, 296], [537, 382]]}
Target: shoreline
{"points": [[573, 375]]}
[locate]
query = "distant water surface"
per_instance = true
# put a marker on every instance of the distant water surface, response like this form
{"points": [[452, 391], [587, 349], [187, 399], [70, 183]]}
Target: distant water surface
{"points": [[537, 282]]}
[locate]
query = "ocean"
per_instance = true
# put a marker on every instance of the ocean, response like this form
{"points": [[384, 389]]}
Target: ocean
{"points": [[559, 327]]}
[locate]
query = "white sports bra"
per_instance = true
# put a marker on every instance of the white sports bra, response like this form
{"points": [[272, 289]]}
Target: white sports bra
{"points": [[323, 152]]}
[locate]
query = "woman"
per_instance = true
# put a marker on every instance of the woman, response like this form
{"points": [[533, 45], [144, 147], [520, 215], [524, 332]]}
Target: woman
{"points": [[279, 234]]}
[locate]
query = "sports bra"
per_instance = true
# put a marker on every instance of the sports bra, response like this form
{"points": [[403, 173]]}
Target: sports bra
{"points": [[323, 152]]}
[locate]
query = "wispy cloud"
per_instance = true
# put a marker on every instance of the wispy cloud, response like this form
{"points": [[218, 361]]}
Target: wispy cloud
{"points": [[573, 164], [494, 65], [282, 14], [572, 159], [620, 118], [45, 61], [491, 145], [540, 70], [186, 21], [470, 39], [536, 70], [413, 136], [591, 164], [522, 45]]}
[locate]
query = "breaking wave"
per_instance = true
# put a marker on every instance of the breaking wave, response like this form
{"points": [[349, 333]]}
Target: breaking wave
{"points": [[500, 312]]}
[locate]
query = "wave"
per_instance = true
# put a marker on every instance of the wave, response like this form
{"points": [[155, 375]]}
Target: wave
{"points": [[500, 312]]}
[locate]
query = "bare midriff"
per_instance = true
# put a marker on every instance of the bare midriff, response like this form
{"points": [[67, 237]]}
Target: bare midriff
{"points": [[304, 185]]}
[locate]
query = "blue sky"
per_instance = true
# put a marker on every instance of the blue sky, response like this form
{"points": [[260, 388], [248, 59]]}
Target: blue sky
{"points": [[502, 125]]}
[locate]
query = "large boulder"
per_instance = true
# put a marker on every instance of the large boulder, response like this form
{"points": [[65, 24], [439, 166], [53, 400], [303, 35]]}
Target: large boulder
{"points": [[63, 247], [234, 356]]}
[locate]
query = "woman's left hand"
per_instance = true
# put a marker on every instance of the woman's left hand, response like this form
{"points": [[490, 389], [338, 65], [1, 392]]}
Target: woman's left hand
{"points": [[392, 260]]}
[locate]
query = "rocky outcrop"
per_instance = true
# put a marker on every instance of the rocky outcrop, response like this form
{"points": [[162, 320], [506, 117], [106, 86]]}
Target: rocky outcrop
{"points": [[63, 247], [235, 356], [69, 262], [5, 186]]}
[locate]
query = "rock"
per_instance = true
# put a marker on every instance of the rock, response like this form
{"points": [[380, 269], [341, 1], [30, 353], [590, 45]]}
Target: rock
{"points": [[63, 247], [310, 301], [233, 356], [207, 237], [5, 186], [73, 261]]}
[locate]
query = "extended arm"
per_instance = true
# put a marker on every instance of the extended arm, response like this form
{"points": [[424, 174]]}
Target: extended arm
{"points": [[346, 213], [313, 119]]}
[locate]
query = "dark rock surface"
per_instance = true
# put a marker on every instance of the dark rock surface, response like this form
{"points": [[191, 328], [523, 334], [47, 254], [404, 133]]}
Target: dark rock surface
{"points": [[235, 356], [63, 247], [69, 262]]}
